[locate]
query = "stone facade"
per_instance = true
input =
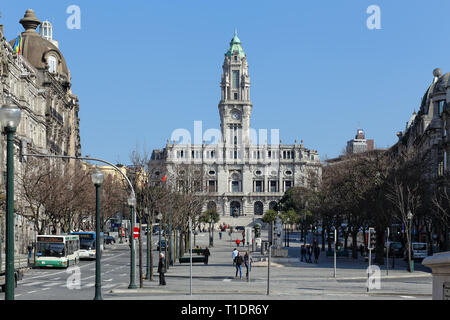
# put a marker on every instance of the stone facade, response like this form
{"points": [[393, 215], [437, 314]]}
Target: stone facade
{"points": [[241, 178], [39, 83], [427, 130]]}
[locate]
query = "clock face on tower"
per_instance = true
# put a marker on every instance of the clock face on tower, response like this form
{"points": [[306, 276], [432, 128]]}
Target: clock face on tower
{"points": [[236, 115]]}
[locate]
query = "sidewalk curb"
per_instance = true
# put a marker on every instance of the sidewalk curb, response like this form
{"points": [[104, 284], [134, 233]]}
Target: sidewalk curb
{"points": [[427, 275]]}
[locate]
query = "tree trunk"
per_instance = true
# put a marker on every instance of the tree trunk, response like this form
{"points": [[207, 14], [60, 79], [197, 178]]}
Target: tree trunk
{"points": [[151, 252], [355, 244], [181, 242], [379, 249], [323, 238], [429, 239]]}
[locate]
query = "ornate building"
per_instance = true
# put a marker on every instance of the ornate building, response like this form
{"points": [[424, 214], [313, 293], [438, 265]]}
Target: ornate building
{"points": [[427, 130], [38, 80], [240, 178]]}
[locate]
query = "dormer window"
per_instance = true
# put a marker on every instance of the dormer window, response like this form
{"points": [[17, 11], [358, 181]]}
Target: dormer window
{"points": [[46, 30], [52, 64]]}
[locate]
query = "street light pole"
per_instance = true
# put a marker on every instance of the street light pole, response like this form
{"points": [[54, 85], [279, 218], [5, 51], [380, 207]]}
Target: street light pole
{"points": [[170, 236], [409, 217], [132, 204], [10, 118], [149, 253], [190, 254], [97, 178]]}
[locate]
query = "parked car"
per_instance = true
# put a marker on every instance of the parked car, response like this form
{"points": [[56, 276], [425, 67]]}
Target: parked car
{"points": [[395, 249], [109, 239], [239, 228]]}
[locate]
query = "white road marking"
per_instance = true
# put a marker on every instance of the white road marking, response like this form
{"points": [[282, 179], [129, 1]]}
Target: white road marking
{"points": [[407, 297], [109, 280], [31, 292], [45, 289], [32, 283], [52, 284], [89, 285], [108, 286], [46, 273]]}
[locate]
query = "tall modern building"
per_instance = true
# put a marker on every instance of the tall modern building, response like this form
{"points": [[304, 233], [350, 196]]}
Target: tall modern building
{"points": [[241, 178], [360, 143]]}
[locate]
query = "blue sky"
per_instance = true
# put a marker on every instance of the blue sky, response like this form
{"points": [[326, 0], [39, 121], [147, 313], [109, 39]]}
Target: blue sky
{"points": [[142, 69]]}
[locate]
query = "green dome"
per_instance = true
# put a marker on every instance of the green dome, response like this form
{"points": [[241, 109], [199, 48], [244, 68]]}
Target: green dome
{"points": [[235, 45]]}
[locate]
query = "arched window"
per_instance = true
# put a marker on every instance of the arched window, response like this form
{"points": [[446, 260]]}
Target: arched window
{"points": [[258, 208], [52, 64], [211, 205], [235, 209], [46, 30], [273, 205]]}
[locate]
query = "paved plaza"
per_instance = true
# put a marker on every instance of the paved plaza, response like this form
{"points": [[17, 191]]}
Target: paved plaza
{"points": [[289, 279]]}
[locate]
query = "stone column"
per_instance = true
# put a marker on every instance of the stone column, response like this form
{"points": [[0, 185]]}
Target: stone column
{"points": [[439, 263]]}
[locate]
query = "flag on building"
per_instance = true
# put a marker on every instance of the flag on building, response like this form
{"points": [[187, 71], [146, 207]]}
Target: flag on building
{"points": [[18, 45], [164, 179]]}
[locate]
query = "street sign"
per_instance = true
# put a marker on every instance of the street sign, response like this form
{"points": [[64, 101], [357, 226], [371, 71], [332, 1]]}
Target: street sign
{"points": [[136, 232]]}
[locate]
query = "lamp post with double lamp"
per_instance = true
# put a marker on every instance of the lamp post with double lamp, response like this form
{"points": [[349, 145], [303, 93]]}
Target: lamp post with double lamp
{"points": [[410, 262], [9, 118], [132, 204], [97, 178]]}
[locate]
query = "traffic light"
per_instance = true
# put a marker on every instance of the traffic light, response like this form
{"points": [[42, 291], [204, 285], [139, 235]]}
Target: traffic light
{"points": [[372, 238], [331, 235]]}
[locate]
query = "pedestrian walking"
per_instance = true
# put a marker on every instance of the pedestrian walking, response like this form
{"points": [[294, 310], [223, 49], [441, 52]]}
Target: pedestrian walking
{"points": [[248, 260], [162, 269], [30, 251], [309, 253], [316, 253], [206, 253], [220, 234], [233, 255], [361, 250], [238, 260]]}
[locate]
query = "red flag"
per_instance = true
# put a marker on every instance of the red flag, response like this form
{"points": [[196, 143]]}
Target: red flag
{"points": [[164, 178]]}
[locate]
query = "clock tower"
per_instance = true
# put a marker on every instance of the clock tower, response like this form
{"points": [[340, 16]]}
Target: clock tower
{"points": [[235, 106]]}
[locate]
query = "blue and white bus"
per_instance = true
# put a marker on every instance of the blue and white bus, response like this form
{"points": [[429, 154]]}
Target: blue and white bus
{"points": [[87, 244]]}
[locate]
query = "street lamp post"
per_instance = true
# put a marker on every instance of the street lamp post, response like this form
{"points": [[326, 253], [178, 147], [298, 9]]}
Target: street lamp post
{"points": [[410, 263], [97, 178], [159, 217], [132, 204], [149, 252], [10, 118]]}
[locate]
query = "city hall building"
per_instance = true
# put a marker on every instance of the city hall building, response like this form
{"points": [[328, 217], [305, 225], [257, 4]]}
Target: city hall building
{"points": [[240, 178]]}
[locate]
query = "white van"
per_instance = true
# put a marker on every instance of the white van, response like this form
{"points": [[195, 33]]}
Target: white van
{"points": [[419, 250]]}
